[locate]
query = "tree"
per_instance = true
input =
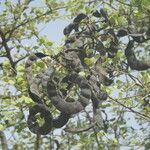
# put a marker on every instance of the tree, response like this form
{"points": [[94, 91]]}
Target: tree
{"points": [[111, 37]]}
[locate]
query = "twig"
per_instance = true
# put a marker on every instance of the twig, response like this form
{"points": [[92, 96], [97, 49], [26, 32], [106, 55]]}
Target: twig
{"points": [[142, 115], [4, 43], [37, 143], [123, 3], [20, 59], [134, 79], [3, 141]]}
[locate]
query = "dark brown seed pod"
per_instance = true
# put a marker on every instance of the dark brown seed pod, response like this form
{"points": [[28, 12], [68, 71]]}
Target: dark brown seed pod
{"points": [[79, 18], [122, 32], [97, 14], [68, 29], [32, 123], [133, 62]]}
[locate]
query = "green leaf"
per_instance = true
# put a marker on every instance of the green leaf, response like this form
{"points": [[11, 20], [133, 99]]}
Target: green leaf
{"points": [[11, 82]]}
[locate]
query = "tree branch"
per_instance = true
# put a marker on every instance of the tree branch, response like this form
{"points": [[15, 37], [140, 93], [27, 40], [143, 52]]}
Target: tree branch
{"points": [[5, 45], [3, 141], [37, 142], [129, 108]]}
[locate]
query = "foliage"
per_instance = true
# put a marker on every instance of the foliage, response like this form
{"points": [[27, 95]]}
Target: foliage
{"points": [[127, 110]]}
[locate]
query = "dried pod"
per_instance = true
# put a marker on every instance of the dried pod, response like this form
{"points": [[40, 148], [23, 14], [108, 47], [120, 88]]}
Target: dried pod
{"points": [[133, 62], [68, 29], [122, 33], [97, 14], [79, 18]]}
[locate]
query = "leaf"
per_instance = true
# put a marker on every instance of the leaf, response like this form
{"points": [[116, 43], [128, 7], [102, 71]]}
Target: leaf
{"points": [[2, 127], [12, 82], [114, 141], [82, 73], [21, 68], [134, 142], [25, 99], [89, 61], [147, 146], [40, 64], [49, 43], [101, 134]]}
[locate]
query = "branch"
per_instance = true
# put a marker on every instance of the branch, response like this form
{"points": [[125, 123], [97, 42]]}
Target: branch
{"points": [[124, 3], [129, 108], [4, 43], [136, 80], [3, 141], [29, 20], [37, 144], [21, 59], [57, 144]]}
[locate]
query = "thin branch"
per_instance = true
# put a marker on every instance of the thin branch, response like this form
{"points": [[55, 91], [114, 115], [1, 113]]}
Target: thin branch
{"points": [[135, 80], [21, 59], [57, 144], [129, 108], [30, 20], [94, 129], [124, 3], [37, 143], [129, 97], [3, 141], [4, 43], [109, 5], [33, 19]]}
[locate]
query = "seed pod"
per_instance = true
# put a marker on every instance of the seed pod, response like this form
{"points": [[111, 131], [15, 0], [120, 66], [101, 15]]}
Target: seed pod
{"points": [[69, 28], [97, 14], [79, 18], [122, 33]]}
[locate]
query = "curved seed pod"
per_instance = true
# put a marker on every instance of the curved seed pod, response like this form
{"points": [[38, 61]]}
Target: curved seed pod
{"points": [[97, 14], [63, 118], [133, 62], [112, 50], [45, 76], [69, 28], [105, 16], [58, 122], [79, 18], [49, 122], [33, 84], [34, 126], [122, 32], [97, 115], [97, 98], [70, 107], [70, 39], [28, 65], [97, 93], [102, 73], [113, 34], [34, 93], [72, 60], [100, 48]]}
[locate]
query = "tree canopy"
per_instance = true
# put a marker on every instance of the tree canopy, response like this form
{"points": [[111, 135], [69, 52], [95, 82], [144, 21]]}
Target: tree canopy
{"points": [[89, 91]]}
